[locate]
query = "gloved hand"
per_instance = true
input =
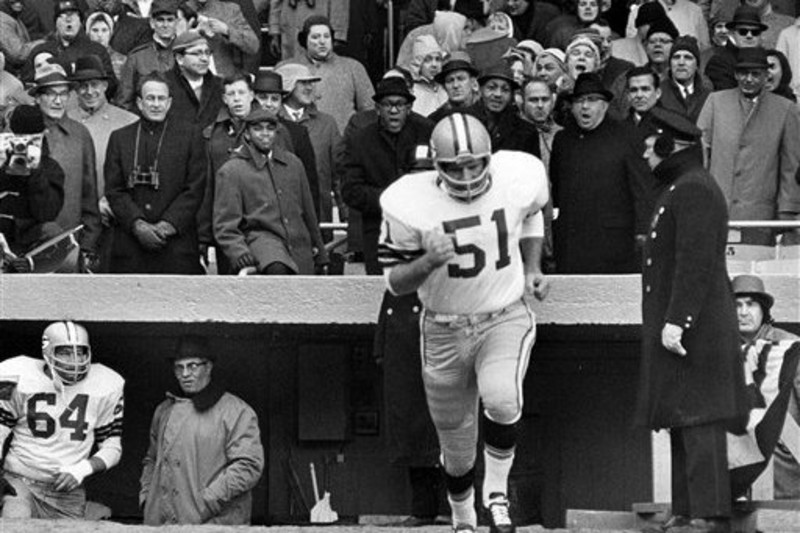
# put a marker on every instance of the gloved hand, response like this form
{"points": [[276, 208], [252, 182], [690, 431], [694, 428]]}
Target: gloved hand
{"points": [[19, 265], [6, 488], [165, 229], [245, 260], [147, 235], [89, 262]]}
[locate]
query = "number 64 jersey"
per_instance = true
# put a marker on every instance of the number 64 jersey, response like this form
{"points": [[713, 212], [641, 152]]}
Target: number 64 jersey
{"points": [[487, 273], [56, 428]]}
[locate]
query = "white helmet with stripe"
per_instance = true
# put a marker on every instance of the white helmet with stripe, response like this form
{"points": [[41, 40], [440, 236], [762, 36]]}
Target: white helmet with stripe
{"points": [[66, 350], [460, 141]]}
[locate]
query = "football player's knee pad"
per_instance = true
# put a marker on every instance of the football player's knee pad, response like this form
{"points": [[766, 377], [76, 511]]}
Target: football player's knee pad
{"points": [[500, 436], [458, 451], [459, 484]]}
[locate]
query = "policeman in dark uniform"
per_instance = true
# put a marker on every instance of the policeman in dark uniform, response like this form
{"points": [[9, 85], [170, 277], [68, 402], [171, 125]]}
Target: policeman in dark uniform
{"points": [[692, 380], [153, 55]]}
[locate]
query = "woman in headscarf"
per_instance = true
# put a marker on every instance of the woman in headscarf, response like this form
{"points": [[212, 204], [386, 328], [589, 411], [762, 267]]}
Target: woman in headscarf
{"points": [[425, 65], [448, 28], [100, 28]]}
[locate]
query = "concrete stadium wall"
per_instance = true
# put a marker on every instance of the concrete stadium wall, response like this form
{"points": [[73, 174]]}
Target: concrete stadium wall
{"points": [[577, 449]]}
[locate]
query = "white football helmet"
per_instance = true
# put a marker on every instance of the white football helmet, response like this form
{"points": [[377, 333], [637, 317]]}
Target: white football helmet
{"points": [[66, 350], [462, 139]]}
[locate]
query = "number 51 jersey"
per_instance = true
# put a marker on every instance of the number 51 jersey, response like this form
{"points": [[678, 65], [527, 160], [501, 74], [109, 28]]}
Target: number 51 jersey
{"points": [[487, 273], [55, 428]]}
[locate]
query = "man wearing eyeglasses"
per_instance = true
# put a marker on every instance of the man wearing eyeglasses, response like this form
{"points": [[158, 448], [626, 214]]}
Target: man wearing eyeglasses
{"points": [[378, 154], [196, 91], [746, 29], [753, 136], [205, 454]]}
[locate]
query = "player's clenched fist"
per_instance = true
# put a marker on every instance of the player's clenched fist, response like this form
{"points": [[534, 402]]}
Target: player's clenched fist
{"points": [[438, 247]]}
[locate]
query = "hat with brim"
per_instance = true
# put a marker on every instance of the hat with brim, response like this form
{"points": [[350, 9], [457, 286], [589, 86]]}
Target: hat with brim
{"points": [[498, 71], [678, 125], [191, 346], [88, 68], [454, 65], [169, 7], [749, 58], [590, 83], [259, 114], [268, 81], [49, 75], [746, 17], [188, 39], [753, 286], [392, 87]]}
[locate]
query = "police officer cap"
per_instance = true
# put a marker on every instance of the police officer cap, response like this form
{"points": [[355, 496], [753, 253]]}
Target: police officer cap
{"points": [[674, 123], [169, 7], [260, 115]]}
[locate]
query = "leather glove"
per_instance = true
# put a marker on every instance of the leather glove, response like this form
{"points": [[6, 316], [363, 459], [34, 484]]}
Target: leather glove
{"points": [[245, 260], [6, 488], [147, 235], [165, 229], [90, 262], [19, 265]]}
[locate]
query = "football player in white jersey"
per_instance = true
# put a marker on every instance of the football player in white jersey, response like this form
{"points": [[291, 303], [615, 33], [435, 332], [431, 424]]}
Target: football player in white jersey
{"points": [[468, 236], [59, 410]]}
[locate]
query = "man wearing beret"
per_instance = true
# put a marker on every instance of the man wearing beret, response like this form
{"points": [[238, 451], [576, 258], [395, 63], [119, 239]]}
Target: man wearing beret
{"points": [[600, 185], [196, 91], [155, 54], [752, 135], [771, 357], [155, 176], [691, 378], [264, 217], [205, 454], [69, 42]]}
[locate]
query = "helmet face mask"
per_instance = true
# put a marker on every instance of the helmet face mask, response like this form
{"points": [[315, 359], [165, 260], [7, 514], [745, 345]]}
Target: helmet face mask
{"points": [[66, 351], [461, 150]]}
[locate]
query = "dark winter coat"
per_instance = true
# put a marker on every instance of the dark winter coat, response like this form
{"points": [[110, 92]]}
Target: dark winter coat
{"points": [[672, 99], [603, 189], [373, 160], [508, 130], [685, 283], [182, 168], [186, 106], [720, 68]]}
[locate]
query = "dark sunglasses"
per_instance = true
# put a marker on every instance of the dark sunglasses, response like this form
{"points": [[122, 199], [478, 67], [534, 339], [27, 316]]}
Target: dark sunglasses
{"points": [[749, 31]]}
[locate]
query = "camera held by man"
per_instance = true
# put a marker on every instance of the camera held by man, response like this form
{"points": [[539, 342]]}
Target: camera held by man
{"points": [[31, 190]]}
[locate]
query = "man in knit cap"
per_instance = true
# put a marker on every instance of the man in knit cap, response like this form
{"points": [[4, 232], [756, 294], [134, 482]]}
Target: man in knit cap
{"points": [[684, 89], [658, 44]]}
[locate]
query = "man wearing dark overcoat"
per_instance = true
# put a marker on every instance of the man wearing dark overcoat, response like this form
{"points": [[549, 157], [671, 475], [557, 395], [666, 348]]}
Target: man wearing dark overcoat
{"points": [[601, 186], [155, 175], [692, 380]]}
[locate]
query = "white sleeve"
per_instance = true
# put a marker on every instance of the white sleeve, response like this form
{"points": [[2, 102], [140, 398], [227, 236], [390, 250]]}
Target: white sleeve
{"points": [[108, 433], [533, 225]]}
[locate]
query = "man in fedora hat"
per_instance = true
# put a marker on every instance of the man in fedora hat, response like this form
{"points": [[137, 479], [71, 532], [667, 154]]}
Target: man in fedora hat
{"points": [[600, 185], [498, 112], [691, 378], [378, 154], [272, 229], [196, 91], [770, 357], [205, 454], [69, 42], [72, 147], [753, 135], [746, 30], [460, 81], [156, 54]]}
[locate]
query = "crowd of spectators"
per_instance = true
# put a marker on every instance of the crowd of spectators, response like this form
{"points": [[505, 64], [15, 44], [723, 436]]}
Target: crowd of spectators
{"points": [[183, 126]]}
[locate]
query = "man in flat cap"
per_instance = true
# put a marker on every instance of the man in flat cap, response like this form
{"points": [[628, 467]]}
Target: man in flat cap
{"points": [[196, 91], [770, 355], [264, 217], [691, 380], [156, 54], [205, 454], [753, 135]]}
